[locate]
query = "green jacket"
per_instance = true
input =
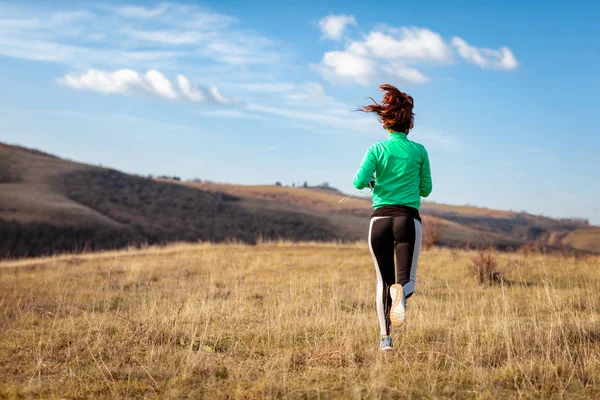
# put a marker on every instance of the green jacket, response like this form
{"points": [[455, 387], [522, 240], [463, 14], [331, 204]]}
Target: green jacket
{"points": [[402, 170]]}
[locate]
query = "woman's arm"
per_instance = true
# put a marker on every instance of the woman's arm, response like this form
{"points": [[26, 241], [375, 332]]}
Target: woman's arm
{"points": [[366, 170], [425, 186]]}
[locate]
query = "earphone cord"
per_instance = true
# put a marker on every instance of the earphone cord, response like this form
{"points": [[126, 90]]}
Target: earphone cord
{"points": [[346, 198]]}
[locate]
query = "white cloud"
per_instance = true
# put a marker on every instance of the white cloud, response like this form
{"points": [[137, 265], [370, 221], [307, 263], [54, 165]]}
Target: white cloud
{"points": [[502, 58], [188, 91], [122, 81], [405, 74], [333, 26], [343, 66], [219, 97], [385, 55], [161, 85], [418, 44], [153, 83], [388, 53]]}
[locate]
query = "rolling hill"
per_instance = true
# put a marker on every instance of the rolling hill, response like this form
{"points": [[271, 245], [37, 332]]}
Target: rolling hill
{"points": [[50, 205], [457, 225]]}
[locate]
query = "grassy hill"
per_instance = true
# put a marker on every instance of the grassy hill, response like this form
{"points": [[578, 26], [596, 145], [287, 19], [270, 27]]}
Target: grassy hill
{"points": [[586, 238], [50, 205], [457, 225]]}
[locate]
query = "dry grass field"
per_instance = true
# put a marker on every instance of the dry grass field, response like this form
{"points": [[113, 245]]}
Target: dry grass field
{"points": [[284, 320]]}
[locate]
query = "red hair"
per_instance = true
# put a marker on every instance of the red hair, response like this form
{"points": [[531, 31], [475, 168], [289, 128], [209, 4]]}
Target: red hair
{"points": [[395, 110]]}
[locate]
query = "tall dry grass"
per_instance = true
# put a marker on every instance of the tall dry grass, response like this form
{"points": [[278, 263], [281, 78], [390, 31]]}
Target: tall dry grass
{"points": [[294, 321]]}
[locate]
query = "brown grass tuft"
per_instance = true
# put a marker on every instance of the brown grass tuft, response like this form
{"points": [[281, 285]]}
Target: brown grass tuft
{"points": [[485, 267]]}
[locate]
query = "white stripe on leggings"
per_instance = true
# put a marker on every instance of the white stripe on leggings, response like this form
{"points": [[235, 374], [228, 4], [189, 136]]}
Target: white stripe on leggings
{"points": [[379, 299], [410, 286]]}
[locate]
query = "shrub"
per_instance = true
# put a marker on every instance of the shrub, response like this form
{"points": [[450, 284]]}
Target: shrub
{"points": [[484, 267]]}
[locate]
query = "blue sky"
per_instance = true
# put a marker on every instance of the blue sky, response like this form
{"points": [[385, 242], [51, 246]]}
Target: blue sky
{"points": [[253, 93]]}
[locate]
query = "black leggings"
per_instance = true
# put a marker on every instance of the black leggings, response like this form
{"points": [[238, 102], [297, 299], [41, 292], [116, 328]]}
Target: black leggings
{"points": [[389, 236]]}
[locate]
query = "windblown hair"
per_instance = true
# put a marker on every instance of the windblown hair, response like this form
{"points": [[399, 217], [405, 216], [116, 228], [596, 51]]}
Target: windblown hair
{"points": [[395, 110]]}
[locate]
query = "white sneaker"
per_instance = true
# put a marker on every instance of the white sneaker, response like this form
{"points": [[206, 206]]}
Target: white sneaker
{"points": [[386, 344], [398, 310]]}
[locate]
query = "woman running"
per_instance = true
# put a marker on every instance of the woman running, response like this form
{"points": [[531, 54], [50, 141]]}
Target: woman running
{"points": [[397, 169]]}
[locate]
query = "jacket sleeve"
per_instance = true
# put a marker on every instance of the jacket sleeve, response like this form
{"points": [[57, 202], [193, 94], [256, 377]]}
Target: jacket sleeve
{"points": [[425, 185], [366, 170]]}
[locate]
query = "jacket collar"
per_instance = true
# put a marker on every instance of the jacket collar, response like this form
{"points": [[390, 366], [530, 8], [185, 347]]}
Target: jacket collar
{"points": [[398, 135]]}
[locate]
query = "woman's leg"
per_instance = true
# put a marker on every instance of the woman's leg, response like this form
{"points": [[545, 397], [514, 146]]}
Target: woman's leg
{"points": [[381, 244], [407, 234]]}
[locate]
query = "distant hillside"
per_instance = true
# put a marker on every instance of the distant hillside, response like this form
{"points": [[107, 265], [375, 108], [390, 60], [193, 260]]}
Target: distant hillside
{"points": [[50, 205], [586, 238], [460, 225]]}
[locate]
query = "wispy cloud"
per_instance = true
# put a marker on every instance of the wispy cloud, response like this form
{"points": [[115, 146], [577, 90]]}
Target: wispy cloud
{"points": [[225, 114], [153, 83], [308, 92], [167, 37], [338, 121], [265, 87], [101, 115], [53, 20], [239, 49], [334, 26], [502, 58], [138, 12], [159, 36]]}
